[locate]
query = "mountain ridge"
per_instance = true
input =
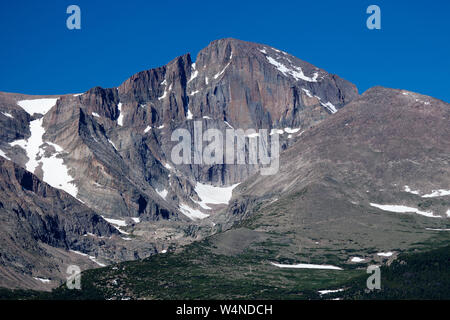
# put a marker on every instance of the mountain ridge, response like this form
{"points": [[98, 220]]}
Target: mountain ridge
{"points": [[113, 146]]}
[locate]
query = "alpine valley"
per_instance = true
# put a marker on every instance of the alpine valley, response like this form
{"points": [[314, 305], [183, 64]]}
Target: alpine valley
{"points": [[87, 179]]}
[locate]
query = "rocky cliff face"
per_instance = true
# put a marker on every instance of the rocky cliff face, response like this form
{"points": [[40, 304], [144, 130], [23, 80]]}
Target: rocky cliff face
{"points": [[38, 224], [117, 142]]}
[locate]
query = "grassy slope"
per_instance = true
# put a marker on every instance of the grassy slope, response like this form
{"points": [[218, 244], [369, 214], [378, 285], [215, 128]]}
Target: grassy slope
{"points": [[197, 273]]}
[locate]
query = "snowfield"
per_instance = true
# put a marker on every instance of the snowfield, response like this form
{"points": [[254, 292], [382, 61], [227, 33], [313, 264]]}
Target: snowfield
{"points": [[116, 223], [357, 259], [306, 266], [385, 254], [213, 195], [120, 118], [41, 106], [403, 209], [55, 172], [191, 213]]}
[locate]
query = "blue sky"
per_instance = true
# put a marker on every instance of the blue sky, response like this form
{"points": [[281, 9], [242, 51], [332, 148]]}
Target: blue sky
{"points": [[39, 55]]}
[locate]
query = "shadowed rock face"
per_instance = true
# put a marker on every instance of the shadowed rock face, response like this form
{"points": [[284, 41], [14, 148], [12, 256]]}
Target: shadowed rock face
{"points": [[39, 222]]}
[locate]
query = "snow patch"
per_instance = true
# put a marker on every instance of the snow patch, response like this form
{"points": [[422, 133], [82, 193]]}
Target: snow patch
{"points": [[193, 214], [32, 144], [229, 125], [322, 292], [409, 190], [162, 194], [213, 195], [289, 130], [276, 131], [329, 106], [120, 118], [163, 96], [385, 254], [8, 114], [296, 72], [403, 209], [95, 114], [357, 259], [147, 129], [308, 93], [168, 166], [37, 105], [306, 266], [437, 193], [433, 194], [92, 258], [42, 279], [221, 72], [55, 173], [112, 143], [189, 115], [2, 154], [193, 75], [117, 222]]}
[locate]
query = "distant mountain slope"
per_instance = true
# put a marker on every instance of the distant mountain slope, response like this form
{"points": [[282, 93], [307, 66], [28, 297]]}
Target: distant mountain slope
{"points": [[375, 153]]}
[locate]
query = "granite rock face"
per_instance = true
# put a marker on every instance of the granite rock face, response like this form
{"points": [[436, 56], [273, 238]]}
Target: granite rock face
{"points": [[117, 142]]}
